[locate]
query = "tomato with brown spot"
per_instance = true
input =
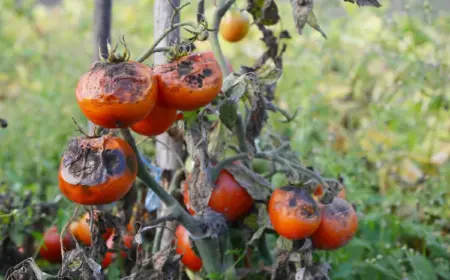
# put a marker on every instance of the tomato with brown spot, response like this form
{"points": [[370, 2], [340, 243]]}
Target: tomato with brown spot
{"points": [[115, 95], [51, 249], [97, 171], [183, 247], [234, 26], [189, 83], [338, 225], [158, 121], [293, 212], [80, 230]]}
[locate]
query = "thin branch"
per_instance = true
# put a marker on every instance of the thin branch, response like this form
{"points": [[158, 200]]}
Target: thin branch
{"points": [[61, 236]]}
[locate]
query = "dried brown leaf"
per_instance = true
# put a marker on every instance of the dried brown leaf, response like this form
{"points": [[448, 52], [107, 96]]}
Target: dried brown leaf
{"points": [[256, 185]]}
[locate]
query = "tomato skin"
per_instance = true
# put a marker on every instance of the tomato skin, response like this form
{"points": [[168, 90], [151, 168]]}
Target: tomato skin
{"points": [[293, 212], [189, 83], [229, 198], [112, 184], [189, 258], [51, 249], [186, 199], [117, 94], [234, 26], [338, 225], [80, 230], [158, 121]]}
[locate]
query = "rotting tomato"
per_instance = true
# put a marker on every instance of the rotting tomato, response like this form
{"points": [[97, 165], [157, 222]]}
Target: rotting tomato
{"points": [[80, 230], [117, 94], [189, 83], [338, 225], [111, 256], [234, 26], [229, 198], [293, 212], [158, 121], [189, 258], [51, 249], [97, 171]]}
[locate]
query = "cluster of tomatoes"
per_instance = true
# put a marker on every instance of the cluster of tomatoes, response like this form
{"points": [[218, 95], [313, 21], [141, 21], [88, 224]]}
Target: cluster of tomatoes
{"points": [[293, 212]]}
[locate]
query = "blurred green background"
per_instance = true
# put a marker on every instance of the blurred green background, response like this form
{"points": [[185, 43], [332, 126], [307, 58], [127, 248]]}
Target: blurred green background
{"points": [[374, 107]]}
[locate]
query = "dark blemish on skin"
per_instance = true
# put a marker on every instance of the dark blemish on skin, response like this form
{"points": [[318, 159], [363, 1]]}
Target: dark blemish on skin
{"points": [[207, 72], [114, 162], [184, 68], [292, 202]]}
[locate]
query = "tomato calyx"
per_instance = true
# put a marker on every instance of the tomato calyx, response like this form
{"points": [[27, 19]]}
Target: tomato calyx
{"points": [[112, 56]]}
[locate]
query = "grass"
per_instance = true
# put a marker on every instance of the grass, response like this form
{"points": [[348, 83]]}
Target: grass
{"points": [[373, 104]]}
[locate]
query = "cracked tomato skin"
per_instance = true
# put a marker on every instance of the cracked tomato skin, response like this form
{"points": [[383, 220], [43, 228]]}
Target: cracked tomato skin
{"points": [[189, 258], [189, 83], [158, 121], [293, 212], [115, 95], [80, 230], [96, 171], [51, 249], [338, 226], [229, 198], [234, 26]]}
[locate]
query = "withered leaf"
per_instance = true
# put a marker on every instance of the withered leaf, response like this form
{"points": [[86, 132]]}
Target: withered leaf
{"points": [[263, 11], [257, 119], [301, 10], [228, 114], [372, 3], [234, 87], [256, 236], [199, 190], [284, 243], [312, 21], [256, 185]]}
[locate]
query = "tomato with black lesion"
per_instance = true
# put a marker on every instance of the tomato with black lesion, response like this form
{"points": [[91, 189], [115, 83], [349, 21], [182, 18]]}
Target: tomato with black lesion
{"points": [[97, 170], [190, 82], [115, 95], [293, 212]]}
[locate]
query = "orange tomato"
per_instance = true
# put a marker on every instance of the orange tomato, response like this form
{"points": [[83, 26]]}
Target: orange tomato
{"points": [[293, 212], [158, 121], [229, 198], [97, 171], [234, 26], [189, 258], [51, 249], [115, 95], [338, 225], [80, 230], [189, 83]]}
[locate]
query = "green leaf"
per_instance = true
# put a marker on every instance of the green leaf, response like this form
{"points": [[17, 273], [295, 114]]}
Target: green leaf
{"points": [[256, 236], [312, 21], [228, 114], [423, 269]]}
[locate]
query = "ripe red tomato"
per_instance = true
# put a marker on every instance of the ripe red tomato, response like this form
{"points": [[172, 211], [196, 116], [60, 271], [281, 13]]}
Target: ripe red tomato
{"points": [[158, 121], [97, 170], [338, 225], [51, 249], [293, 212], [234, 26], [189, 83], [80, 230], [117, 94], [189, 258], [229, 198], [110, 256]]}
